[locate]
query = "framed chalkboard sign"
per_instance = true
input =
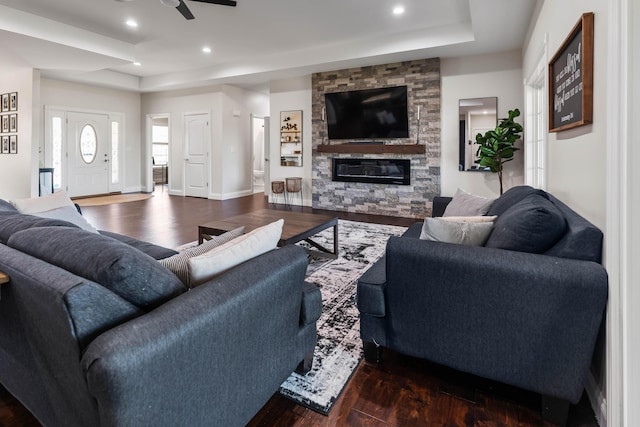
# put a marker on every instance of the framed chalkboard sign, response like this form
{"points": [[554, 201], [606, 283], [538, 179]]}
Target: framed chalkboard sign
{"points": [[571, 78]]}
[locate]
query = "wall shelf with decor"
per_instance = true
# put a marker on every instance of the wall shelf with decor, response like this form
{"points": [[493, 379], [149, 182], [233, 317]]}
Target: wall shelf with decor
{"points": [[291, 138], [373, 148]]}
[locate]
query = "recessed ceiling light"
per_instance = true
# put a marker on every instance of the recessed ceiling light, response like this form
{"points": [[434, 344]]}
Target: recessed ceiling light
{"points": [[131, 23], [398, 10], [137, 64], [206, 49]]}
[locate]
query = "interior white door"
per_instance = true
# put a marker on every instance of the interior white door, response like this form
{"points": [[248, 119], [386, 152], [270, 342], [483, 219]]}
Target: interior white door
{"points": [[196, 162], [88, 148]]}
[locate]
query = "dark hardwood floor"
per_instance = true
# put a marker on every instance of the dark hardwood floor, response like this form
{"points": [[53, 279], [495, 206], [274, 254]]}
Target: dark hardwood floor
{"points": [[401, 391]]}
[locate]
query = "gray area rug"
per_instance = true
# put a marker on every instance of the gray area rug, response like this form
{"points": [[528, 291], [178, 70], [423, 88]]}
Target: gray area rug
{"points": [[339, 349]]}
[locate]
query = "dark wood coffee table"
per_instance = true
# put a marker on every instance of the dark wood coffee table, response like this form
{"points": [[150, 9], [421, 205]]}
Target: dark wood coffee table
{"points": [[298, 226]]}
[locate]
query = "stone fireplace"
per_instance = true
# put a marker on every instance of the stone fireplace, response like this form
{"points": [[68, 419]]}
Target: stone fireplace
{"points": [[421, 151]]}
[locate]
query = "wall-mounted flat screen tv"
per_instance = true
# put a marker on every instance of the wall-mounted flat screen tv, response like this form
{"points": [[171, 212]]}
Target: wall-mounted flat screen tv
{"points": [[368, 114]]}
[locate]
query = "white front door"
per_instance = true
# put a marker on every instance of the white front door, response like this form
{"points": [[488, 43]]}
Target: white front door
{"points": [[196, 162], [88, 148]]}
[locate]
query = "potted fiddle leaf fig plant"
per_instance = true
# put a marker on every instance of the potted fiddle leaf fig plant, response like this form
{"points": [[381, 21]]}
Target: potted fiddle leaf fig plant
{"points": [[497, 146]]}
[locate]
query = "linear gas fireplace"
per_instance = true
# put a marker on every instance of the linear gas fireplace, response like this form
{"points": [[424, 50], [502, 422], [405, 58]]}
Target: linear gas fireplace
{"points": [[377, 171]]}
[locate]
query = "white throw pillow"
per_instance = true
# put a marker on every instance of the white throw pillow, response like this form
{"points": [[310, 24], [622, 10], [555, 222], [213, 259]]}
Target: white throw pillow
{"points": [[466, 204], [69, 214], [235, 252], [480, 218], [33, 205], [464, 233], [179, 263]]}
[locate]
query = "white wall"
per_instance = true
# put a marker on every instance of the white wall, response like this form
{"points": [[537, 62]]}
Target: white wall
{"points": [[230, 110], [576, 171], [19, 172], [237, 107], [287, 95], [176, 104], [83, 97], [479, 76]]}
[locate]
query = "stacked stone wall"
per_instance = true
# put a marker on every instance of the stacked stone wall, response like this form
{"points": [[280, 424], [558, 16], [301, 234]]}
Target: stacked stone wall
{"points": [[422, 78]]}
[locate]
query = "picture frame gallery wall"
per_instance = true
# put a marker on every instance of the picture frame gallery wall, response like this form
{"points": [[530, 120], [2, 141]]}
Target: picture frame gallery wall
{"points": [[9, 123]]}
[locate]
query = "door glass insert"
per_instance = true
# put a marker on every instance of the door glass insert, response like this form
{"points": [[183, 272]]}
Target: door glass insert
{"points": [[115, 147], [88, 143], [56, 157]]}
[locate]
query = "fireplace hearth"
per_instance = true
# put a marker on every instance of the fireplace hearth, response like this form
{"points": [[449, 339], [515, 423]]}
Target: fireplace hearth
{"points": [[374, 171]]}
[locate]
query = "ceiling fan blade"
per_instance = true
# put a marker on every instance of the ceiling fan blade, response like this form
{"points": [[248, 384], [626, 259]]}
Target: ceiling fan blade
{"points": [[220, 2], [184, 10]]}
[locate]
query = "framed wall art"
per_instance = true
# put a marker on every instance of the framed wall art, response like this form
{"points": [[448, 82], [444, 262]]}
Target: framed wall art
{"points": [[13, 123], [5, 144], [5, 124], [571, 78], [13, 144], [13, 101], [5, 103]]}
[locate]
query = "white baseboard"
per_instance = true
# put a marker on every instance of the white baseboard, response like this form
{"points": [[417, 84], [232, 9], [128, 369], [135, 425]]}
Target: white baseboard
{"points": [[227, 196], [136, 189], [597, 400]]}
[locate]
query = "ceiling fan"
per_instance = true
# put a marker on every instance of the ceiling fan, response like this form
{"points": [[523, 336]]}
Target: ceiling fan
{"points": [[184, 9]]}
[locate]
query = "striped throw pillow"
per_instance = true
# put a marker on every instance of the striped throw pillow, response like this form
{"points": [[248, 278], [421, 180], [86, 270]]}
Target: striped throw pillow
{"points": [[179, 263]]}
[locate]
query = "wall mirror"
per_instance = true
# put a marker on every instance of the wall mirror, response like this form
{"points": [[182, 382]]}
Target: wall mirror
{"points": [[291, 138], [476, 115]]}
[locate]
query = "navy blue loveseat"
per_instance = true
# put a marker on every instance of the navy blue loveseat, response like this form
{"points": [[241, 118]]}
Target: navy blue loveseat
{"points": [[526, 319]]}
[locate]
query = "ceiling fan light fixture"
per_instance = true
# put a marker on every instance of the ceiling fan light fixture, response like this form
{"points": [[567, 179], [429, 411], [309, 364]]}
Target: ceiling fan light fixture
{"points": [[170, 3]]}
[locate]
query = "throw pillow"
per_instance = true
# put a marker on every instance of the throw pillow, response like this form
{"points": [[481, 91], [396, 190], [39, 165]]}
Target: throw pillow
{"points": [[129, 273], [466, 204], [480, 218], [179, 263], [69, 214], [460, 232], [513, 196], [532, 225], [7, 207], [33, 205], [237, 251]]}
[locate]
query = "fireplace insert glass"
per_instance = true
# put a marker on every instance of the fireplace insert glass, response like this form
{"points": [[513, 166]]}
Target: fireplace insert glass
{"points": [[376, 171]]}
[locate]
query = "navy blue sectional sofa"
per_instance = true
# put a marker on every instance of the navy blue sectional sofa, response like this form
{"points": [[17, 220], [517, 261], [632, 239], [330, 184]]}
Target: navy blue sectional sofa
{"points": [[499, 311], [76, 352]]}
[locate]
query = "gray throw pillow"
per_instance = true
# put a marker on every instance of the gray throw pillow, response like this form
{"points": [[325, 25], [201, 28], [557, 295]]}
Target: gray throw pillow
{"points": [[533, 225], [69, 214], [466, 204], [6, 206], [463, 232], [513, 196], [129, 273]]}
